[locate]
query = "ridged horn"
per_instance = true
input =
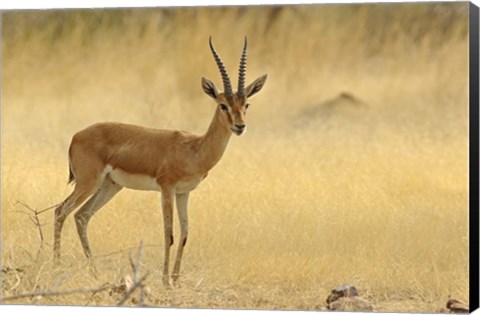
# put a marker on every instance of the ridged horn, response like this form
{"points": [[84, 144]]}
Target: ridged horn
{"points": [[242, 70], [227, 86]]}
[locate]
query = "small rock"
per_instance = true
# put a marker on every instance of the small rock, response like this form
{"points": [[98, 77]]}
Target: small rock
{"points": [[128, 281], [125, 286], [345, 298], [346, 290], [457, 306], [120, 289], [351, 304]]}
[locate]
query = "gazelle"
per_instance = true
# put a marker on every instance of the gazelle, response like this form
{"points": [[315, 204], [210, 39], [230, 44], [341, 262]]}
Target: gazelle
{"points": [[106, 157]]}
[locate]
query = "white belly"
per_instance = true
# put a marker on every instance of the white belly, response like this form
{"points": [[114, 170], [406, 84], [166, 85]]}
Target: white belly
{"points": [[133, 181], [186, 186]]}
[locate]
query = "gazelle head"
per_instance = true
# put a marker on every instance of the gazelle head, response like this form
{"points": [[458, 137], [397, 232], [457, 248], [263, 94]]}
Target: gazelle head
{"points": [[232, 106]]}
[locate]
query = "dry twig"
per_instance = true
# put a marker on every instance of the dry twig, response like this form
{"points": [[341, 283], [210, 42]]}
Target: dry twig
{"points": [[132, 289], [137, 283], [36, 221]]}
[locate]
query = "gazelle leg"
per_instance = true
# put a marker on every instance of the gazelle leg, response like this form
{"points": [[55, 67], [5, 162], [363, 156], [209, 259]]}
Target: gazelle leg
{"points": [[76, 198], [167, 207], [182, 205], [88, 176], [107, 190]]}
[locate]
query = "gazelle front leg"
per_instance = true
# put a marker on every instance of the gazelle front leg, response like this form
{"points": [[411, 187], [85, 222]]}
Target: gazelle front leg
{"points": [[182, 205], [167, 208]]}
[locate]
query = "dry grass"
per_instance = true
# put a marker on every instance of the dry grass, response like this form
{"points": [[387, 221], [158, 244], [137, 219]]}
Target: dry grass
{"points": [[379, 200]]}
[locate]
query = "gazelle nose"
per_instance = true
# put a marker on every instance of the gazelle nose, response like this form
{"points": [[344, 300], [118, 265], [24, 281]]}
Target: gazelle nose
{"points": [[240, 127]]}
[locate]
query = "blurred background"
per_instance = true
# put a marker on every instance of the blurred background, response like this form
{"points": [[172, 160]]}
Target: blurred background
{"points": [[354, 168]]}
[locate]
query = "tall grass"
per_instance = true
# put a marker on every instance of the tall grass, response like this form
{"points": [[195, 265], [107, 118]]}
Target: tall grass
{"points": [[379, 200]]}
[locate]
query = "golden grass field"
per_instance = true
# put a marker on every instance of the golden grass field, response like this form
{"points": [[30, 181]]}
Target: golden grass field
{"points": [[374, 195]]}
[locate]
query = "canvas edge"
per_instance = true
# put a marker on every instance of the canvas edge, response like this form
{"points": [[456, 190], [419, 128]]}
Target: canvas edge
{"points": [[474, 156]]}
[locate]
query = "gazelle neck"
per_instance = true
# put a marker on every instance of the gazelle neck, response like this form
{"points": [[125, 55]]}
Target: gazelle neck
{"points": [[214, 142]]}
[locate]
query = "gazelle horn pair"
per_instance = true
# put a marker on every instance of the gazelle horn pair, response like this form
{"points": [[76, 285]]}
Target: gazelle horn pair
{"points": [[227, 85]]}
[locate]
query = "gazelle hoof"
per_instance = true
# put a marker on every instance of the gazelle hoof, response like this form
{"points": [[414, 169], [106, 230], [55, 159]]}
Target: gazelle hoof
{"points": [[175, 281], [167, 283]]}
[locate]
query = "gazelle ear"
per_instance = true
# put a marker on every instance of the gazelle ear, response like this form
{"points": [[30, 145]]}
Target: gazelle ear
{"points": [[209, 88], [255, 86]]}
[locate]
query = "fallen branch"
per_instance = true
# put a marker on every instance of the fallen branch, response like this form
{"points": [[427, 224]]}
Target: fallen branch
{"points": [[53, 293]]}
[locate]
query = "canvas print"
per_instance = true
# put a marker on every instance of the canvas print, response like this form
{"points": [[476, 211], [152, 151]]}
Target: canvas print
{"points": [[295, 157]]}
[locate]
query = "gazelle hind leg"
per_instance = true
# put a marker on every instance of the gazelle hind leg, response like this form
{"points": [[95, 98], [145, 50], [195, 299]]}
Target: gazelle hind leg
{"points": [[182, 205], [76, 198], [107, 190], [88, 179]]}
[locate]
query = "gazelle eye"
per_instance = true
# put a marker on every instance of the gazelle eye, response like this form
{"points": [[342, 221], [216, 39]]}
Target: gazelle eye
{"points": [[223, 107], [246, 106]]}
